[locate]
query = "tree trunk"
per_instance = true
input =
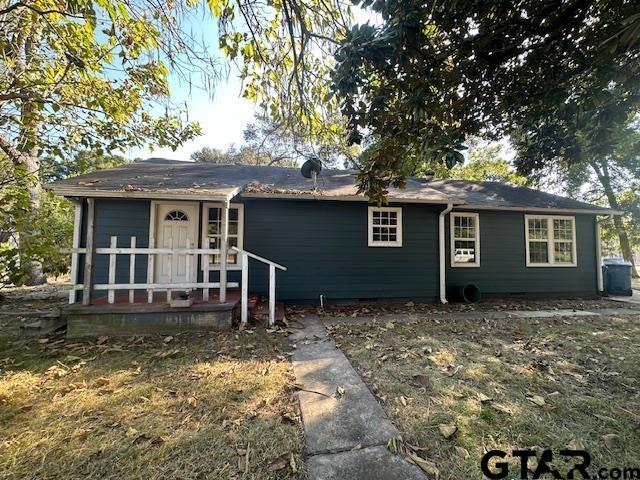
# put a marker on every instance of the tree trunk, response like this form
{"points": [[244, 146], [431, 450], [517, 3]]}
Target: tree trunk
{"points": [[27, 157], [31, 163], [602, 172]]}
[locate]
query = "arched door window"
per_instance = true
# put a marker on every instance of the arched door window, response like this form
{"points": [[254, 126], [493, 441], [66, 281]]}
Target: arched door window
{"points": [[176, 216]]}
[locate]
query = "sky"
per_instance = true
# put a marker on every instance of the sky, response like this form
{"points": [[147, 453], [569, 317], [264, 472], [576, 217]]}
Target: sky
{"points": [[224, 117]]}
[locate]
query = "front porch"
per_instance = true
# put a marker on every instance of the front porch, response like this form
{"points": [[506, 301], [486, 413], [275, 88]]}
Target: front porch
{"points": [[172, 281]]}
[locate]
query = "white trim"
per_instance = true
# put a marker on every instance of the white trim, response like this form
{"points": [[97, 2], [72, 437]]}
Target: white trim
{"points": [[398, 241], [452, 238], [541, 210], [550, 241], [75, 243], [144, 194], [204, 235], [345, 198], [442, 271]]}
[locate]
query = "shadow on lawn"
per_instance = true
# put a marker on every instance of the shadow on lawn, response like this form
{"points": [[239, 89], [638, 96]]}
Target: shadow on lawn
{"points": [[183, 407]]}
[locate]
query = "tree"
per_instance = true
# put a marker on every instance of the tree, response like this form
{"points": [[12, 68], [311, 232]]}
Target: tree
{"points": [[245, 155], [271, 143], [432, 74], [86, 74], [53, 168], [484, 162], [279, 143], [26, 238], [612, 178], [285, 56]]}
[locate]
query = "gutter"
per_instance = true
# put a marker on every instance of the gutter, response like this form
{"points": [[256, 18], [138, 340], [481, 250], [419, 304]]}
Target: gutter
{"points": [[442, 253], [599, 278]]}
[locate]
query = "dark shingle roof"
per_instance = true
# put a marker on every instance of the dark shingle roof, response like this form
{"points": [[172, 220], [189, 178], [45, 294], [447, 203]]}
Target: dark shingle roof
{"points": [[160, 178]]}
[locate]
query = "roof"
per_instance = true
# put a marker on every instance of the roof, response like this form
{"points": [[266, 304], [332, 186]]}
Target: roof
{"points": [[170, 179]]}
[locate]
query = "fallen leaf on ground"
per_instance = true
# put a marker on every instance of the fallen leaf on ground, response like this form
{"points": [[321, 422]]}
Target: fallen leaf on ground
{"points": [[101, 382], [422, 380], [278, 464], [576, 444], [502, 408], [427, 466], [340, 391], [611, 440], [538, 400], [462, 452], [447, 430]]}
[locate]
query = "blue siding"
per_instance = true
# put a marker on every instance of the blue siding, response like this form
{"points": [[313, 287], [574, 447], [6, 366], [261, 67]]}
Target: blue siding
{"points": [[324, 246], [503, 267], [124, 219]]}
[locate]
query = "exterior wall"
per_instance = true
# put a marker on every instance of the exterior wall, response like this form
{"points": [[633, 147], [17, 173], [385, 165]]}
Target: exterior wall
{"points": [[124, 219], [503, 269], [324, 246]]}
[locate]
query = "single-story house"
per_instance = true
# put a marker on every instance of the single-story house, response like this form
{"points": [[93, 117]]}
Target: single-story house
{"points": [[159, 226]]}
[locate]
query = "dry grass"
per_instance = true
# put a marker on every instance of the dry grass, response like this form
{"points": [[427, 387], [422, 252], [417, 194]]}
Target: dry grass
{"points": [[193, 406], [485, 378]]}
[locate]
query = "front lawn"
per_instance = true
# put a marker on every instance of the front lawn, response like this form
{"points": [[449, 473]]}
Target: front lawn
{"points": [[188, 406], [458, 389]]}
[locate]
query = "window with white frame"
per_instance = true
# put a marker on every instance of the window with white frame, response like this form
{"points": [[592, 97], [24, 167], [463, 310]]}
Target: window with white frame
{"points": [[551, 241], [212, 222], [465, 239], [385, 227]]}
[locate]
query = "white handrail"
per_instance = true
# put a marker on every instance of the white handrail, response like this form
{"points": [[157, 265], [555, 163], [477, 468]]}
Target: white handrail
{"points": [[261, 259], [244, 307]]}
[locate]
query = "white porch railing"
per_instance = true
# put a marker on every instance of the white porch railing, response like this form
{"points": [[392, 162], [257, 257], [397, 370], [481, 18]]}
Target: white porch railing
{"points": [[191, 263], [113, 251], [244, 305]]}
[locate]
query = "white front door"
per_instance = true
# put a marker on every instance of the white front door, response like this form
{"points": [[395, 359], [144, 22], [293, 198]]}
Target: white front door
{"points": [[177, 227]]}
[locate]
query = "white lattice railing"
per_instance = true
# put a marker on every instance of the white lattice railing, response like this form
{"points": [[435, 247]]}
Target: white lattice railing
{"points": [[191, 264], [132, 251]]}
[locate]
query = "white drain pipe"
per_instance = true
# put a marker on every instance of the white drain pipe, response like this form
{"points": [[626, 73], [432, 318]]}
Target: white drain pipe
{"points": [[442, 253]]}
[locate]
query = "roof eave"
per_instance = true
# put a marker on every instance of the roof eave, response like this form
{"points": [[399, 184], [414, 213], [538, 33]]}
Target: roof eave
{"points": [[141, 194], [543, 209], [345, 198]]}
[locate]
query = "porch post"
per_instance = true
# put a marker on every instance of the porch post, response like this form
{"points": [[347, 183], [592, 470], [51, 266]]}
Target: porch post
{"points": [[77, 228], [88, 258], [224, 246]]}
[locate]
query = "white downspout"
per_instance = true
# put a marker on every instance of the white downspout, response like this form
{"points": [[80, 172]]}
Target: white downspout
{"points": [[442, 253], [599, 254]]}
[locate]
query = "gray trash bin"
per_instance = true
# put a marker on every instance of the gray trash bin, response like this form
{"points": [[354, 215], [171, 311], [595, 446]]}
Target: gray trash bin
{"points": [[617, 276]]}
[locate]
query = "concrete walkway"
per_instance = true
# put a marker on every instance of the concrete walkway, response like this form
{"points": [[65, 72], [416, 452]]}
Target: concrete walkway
{"points": [[346, 430], [633, 299]]}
